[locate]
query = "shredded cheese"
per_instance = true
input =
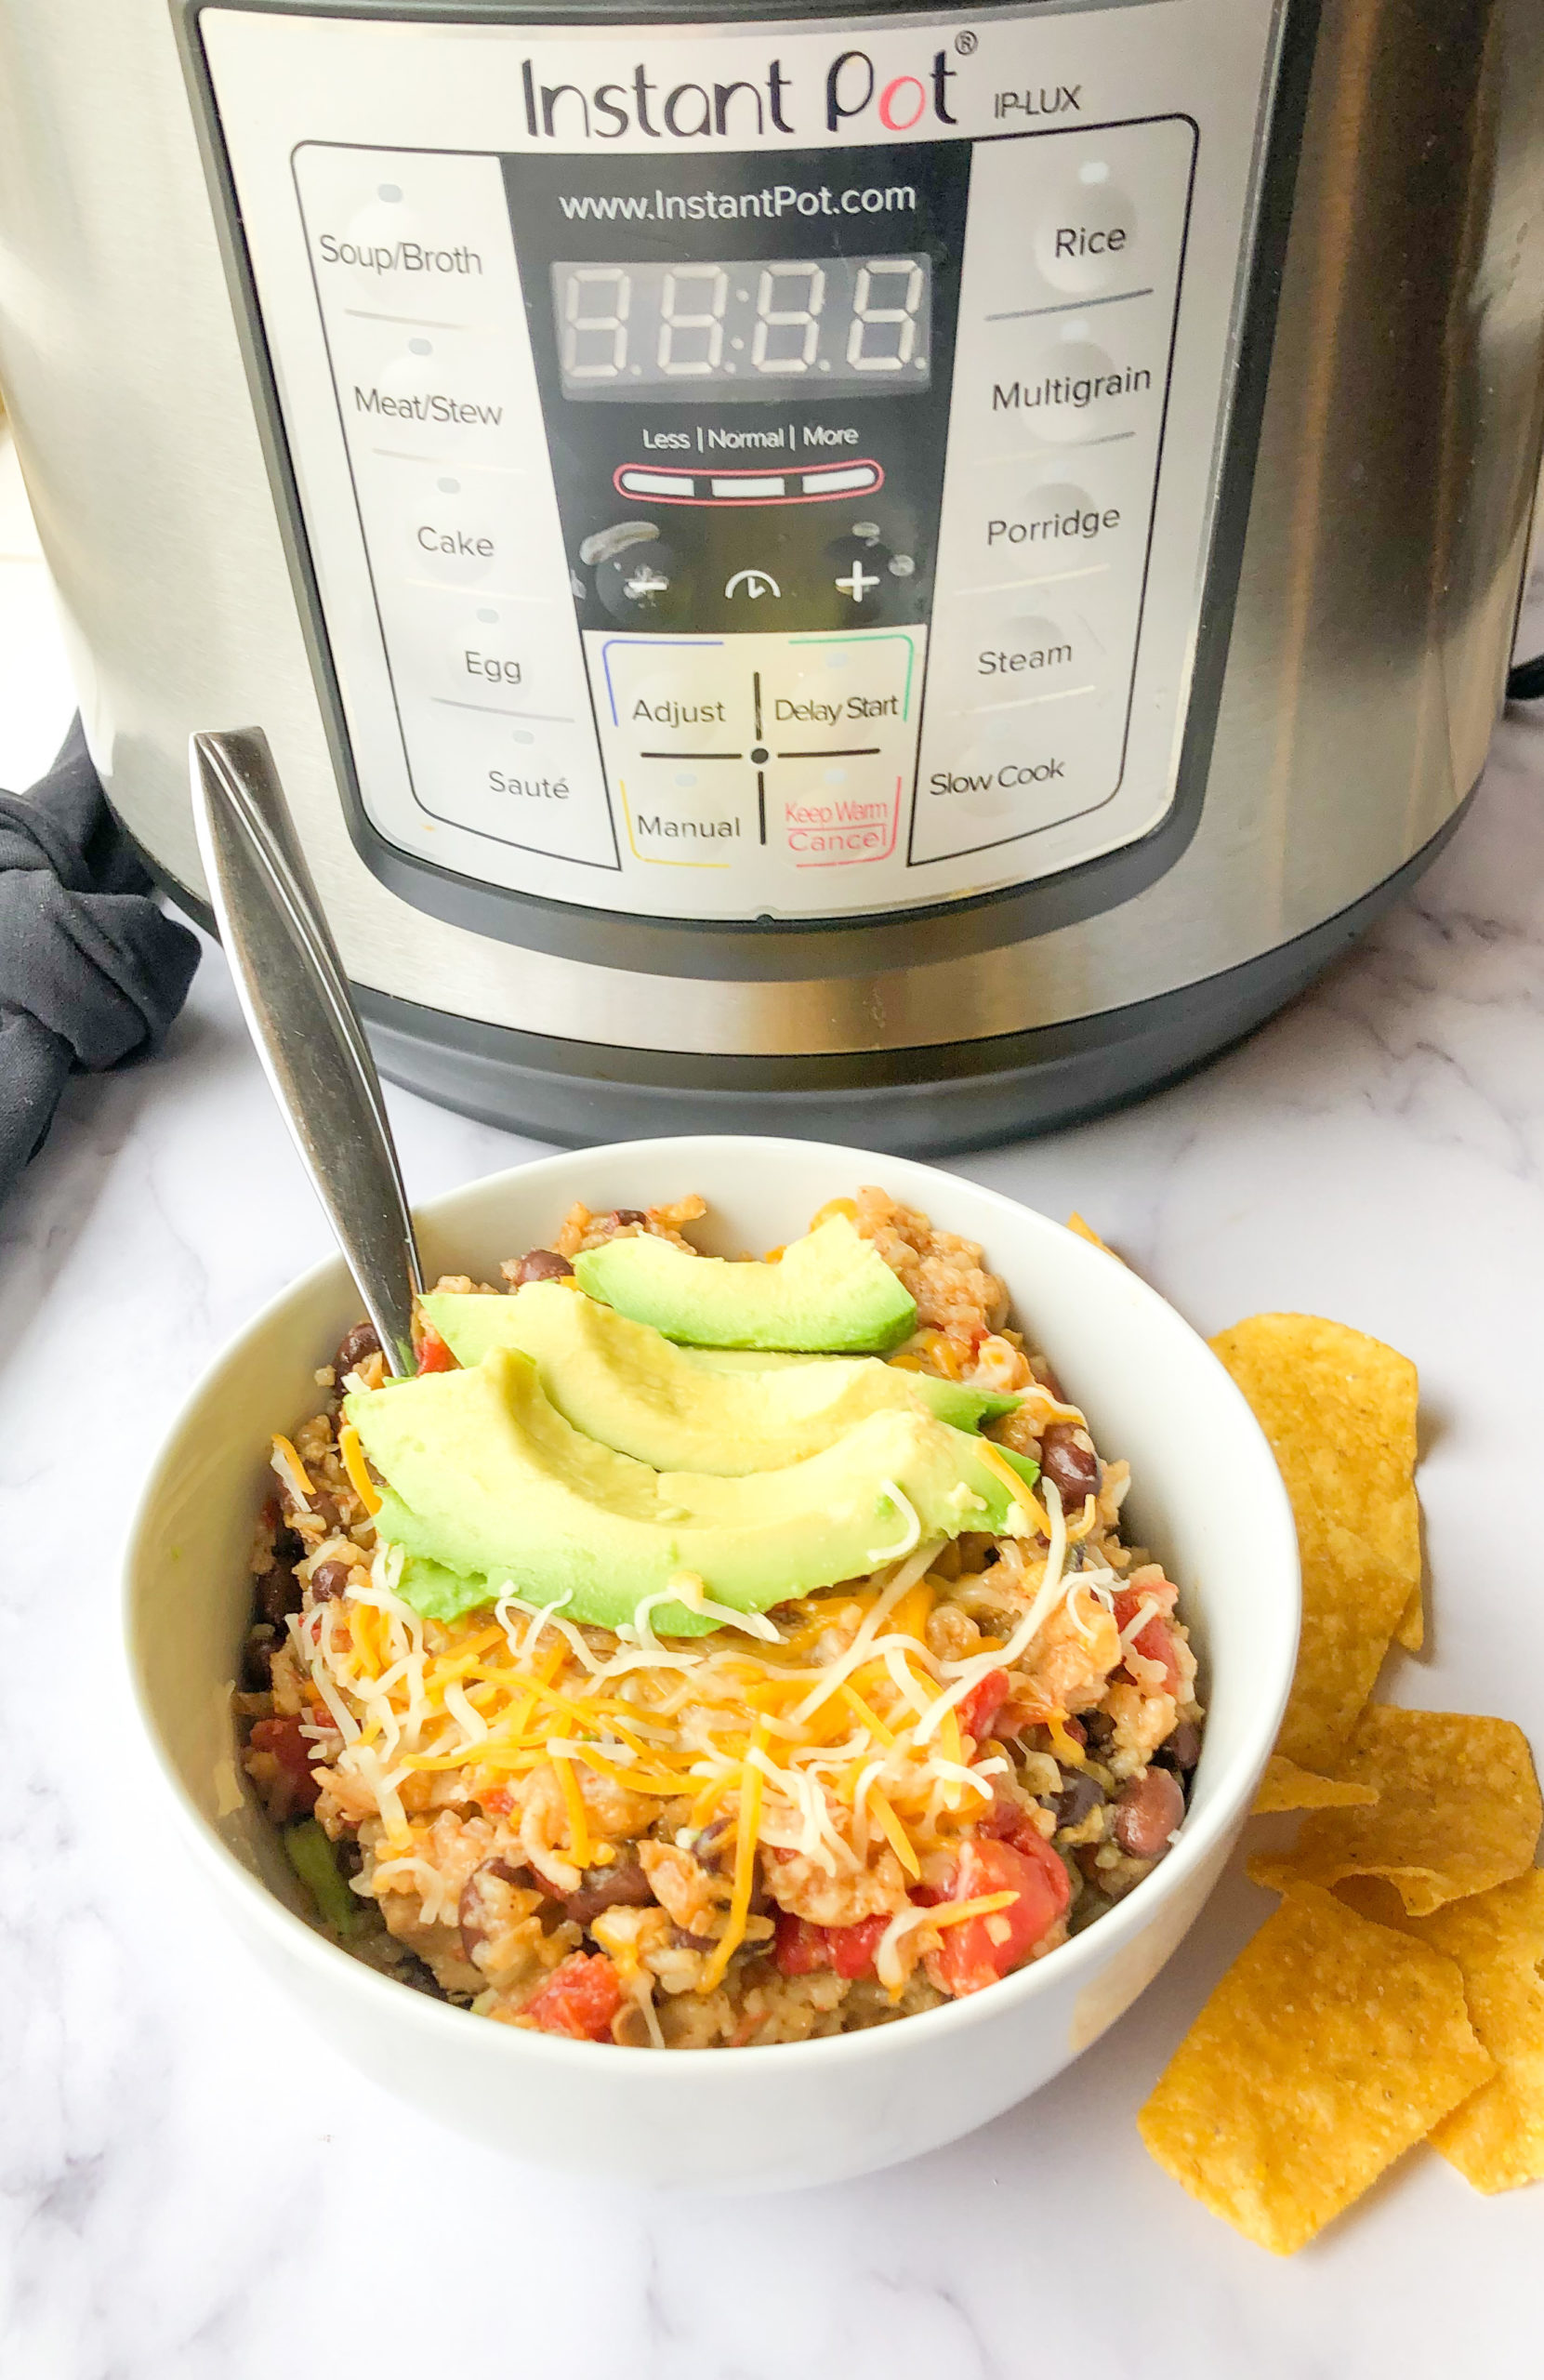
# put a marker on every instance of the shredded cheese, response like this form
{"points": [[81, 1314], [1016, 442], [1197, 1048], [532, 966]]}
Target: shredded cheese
{"points": [[353, 1463], [824, 1734], [292, 1472], [745, 1834]]}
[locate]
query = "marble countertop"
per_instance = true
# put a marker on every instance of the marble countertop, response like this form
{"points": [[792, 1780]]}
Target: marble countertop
{"points": [[192, 2188]]}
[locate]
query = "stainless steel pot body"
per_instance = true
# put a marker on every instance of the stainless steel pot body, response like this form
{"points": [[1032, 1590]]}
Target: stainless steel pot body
{"points": [[1381, 526]]}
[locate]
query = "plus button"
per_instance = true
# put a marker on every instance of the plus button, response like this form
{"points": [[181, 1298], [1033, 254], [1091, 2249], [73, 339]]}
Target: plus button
{"points": [[857, 583]]}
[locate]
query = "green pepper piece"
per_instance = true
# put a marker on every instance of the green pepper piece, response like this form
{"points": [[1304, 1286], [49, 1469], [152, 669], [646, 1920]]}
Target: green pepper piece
{"points": [[311, 1854]]}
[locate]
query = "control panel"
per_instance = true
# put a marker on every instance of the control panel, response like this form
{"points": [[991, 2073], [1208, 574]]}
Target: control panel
{"points": [[761, 474]]}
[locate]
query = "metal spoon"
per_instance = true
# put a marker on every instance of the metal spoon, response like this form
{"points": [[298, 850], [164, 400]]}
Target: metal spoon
{"points": [[301, 1015]]}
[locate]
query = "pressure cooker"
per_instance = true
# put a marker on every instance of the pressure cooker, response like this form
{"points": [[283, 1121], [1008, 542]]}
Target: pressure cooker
{"points": [[907, 573]]}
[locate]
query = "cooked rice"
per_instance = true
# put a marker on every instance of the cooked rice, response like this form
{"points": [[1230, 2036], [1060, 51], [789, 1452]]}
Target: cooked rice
{"points": [[668, 1826]]}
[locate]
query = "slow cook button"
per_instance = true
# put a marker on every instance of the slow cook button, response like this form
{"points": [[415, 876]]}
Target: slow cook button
{"points": [[1000, 775]]}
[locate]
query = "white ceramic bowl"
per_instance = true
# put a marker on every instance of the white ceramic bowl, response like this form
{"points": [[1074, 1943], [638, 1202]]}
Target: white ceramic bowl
{"points": [[1208, 1498]]}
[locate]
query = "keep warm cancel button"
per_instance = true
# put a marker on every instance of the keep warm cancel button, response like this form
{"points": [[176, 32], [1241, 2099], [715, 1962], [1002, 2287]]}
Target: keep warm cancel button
{"points": [[842, 827]]}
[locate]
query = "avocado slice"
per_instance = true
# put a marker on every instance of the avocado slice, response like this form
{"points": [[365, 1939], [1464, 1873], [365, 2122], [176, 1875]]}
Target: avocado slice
{"points": [[831, 1292], [723, 1411], [489, 1488]]}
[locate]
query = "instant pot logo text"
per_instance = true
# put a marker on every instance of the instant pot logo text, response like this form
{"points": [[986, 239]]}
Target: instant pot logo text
{"points": [[855, 92]]}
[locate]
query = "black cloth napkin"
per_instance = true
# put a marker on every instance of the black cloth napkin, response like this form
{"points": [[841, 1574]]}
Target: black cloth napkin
{"points": [[91, 973]]}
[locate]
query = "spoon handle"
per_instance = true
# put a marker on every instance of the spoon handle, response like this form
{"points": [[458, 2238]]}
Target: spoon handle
{"points": [[301, 1015]]}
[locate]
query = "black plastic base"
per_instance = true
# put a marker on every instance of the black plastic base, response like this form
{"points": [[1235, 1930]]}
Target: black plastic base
{"points": [[916, 1102]]}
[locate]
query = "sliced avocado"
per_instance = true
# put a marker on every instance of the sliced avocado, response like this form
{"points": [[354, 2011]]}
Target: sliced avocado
{"points": [[949, 1400], [488, 1482], [829, 1293], [715, 1410]]}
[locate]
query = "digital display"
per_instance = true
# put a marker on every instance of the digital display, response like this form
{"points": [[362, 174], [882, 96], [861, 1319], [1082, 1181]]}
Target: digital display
{"points": [[758, 328]]}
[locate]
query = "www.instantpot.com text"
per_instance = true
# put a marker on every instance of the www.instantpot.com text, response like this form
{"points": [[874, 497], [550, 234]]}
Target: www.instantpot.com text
{"points": [[724, 205]]}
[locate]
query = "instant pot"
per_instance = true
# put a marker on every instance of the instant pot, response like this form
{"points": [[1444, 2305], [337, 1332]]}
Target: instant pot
{"points": [[900, 575]]}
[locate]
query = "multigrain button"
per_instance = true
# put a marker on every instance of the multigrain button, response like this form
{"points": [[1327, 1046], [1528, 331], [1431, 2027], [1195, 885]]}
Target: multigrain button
{"points": [[1072, 392]]}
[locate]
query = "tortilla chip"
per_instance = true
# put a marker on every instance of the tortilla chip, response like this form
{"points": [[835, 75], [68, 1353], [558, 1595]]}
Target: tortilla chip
{"points": [[1329, 2047], [1495, 2139], [1086, 1231], [1458, 1810], [1339, 1412], [1285, 1786], [1411, 1631]]}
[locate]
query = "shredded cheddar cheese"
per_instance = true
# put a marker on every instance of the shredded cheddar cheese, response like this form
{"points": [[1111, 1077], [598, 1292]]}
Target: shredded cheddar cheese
{"points": [[353, 1463], [578, 1829], [292, 1472], [745, 1868], [819, 1736]]}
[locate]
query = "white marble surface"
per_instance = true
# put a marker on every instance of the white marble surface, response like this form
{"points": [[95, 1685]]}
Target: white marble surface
{"points": [[191, 2190]]}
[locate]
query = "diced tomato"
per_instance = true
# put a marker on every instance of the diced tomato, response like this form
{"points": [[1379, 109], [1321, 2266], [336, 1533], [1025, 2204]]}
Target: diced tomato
{"points": [[1156, 1642], [580, 1998], [968, 1957], [495, 1801], [803, 1948], [1006, 1822], [977, 1708], [852, 1947], [433, 1353], [800, 1947], [282, 1739]]}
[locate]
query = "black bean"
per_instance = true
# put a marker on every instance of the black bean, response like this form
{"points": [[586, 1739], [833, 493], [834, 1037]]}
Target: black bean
{"points": [[1098, 1726], [622, 1885], [1079, 1794], [714, 1847], [542, 1265], [619, 1216], [277, 1592], [1071, 1466], [257, 1653], [681, 1940], [359, 1344], [329, 1580], [1183, 1749], [1147, 1813]]}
